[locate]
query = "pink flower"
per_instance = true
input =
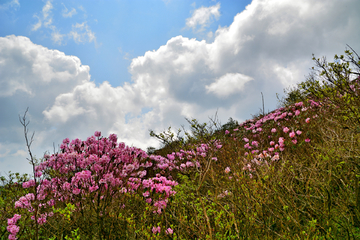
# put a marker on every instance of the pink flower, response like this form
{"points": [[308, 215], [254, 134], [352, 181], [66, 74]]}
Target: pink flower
{"points": [[97, 134], [227, 170], [307, 140], [255, 143], [12, 237], [294, 141], [272, 143], [292, 134], [169, 231], [38, 174], [41, 220], [76, 191], [156, 229], [307, 120], [275, 157], [227, 132], [13, 229], [286, 129], [273, 130], [298, 132], [246, 140], [297, 112]]}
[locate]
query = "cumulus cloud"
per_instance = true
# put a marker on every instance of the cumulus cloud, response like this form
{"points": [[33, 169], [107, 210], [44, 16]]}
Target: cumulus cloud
{"points": [[202, 17], [267, 47], [228, 84]]}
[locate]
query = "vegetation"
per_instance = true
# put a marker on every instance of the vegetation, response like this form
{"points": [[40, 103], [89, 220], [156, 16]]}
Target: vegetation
{"points": [[292, 173]]}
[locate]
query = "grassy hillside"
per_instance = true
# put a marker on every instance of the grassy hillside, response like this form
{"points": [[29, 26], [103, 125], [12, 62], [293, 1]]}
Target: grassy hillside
{"points": [[292, 173]]}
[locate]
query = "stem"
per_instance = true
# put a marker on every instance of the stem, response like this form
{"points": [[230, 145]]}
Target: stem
{"points": [[31, 160]]}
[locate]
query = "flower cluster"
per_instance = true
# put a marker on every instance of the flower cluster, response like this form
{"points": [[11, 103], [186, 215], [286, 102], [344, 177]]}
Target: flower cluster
{"points": [[263, 144], [101, 167], [12, 228]]}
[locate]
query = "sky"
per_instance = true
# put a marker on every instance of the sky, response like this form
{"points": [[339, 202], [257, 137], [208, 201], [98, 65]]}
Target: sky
{"points": [[126, 67]]}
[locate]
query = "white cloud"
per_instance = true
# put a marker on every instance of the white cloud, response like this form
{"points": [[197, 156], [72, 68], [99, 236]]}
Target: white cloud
{"points": [[10, 4], [183, 78], [203, 16], [46, 17], [57, 37], [228, 84], [47, 9], [82, 33], [27, 68], [68, 14]]}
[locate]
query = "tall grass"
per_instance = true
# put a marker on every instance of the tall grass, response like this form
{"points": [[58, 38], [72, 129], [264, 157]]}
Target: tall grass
{"points": [[299, 181]]}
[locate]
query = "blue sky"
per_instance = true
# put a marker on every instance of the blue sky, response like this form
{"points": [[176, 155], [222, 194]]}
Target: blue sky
{"points": [[125, 67], [121, 30]]}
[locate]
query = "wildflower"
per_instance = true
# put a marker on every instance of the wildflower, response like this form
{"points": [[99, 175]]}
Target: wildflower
{"points": [[227, 170], [13, 229], [76, 191], [294, 141], [307, 140], [272, 143], [286, 129], [307, 120], [298, 132], [246, 140], [297, 112], [169, 231], [292, 134], [97, 134], [227, 132], [255, 143], [156, 229], [273, 130], [275, 157]]}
